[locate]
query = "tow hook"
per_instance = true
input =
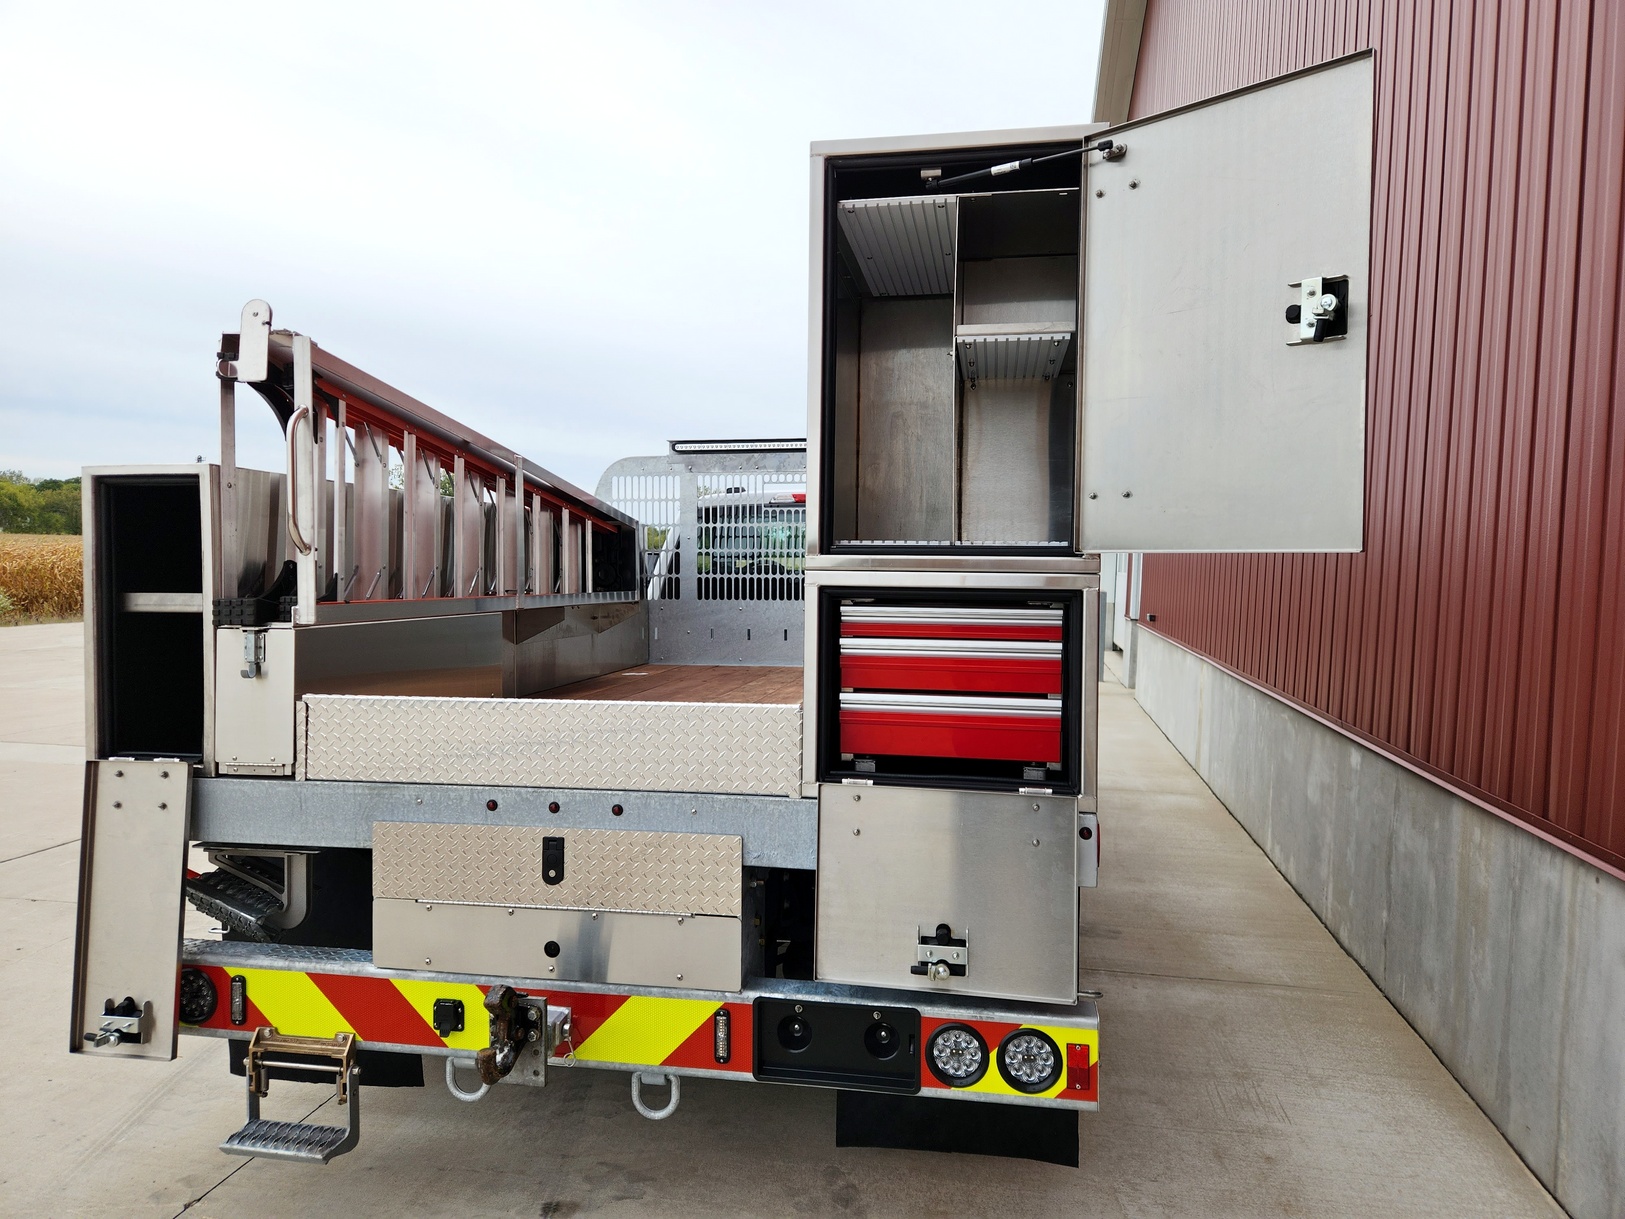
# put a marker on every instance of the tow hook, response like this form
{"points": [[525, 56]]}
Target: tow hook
{"points": [[654, 1079], [513, 1027]]}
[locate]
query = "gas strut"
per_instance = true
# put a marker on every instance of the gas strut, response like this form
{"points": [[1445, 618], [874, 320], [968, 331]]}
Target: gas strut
{"points": [[1105, 148]]}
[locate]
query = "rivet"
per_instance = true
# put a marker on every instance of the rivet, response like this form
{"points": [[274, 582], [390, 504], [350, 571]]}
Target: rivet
{"points": [[118, 774], [1035, 807], [427, 961], [1128, 494], [1134, 184], [679, 977], [161, 804], [856, 796], [1035, 842], [550, 969], [1100, 194], [1094, 495], [856, 831], [430, 906], [118, 804], [798, 1009], [595, 917], [163, 774], [510, 912]]}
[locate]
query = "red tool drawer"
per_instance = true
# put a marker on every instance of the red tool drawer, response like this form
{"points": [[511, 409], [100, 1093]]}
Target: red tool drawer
{"points": [[946, 726], [878, 669], [950, 622]]}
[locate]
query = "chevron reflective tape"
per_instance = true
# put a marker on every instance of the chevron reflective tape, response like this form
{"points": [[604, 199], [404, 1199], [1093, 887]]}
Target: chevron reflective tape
{"points": [[398, 1013], [1078, 1079]]}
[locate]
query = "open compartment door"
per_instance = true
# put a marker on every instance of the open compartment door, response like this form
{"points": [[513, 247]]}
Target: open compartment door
{"points": [[1212, 422]]}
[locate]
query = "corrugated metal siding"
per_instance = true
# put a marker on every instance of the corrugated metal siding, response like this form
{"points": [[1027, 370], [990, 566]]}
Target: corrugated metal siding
{"points": [[1482, 632]]}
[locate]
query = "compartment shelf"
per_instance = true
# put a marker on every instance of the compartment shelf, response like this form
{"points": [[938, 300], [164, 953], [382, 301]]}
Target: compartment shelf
{"points": [[904, 247], [1021, 352]]}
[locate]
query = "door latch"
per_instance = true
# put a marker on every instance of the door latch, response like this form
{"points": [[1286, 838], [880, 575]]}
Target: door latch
{"points": [[121, 1024], [1321, 312], [253, 653], [940, 956]]}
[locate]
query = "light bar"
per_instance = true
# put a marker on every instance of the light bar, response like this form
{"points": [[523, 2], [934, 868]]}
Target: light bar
{"points": [[739, 446]]}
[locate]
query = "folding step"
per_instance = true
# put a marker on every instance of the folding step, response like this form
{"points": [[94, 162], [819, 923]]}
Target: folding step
{"points": [[239, 904], [301, 1141], [306, 1142]]}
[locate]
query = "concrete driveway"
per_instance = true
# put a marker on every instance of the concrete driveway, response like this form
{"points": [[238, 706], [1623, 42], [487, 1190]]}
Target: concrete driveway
{"points": [[1248, 1066]]}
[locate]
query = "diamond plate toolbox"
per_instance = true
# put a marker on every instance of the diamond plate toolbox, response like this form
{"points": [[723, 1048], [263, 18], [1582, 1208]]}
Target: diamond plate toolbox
{"points": [[735, 748], [635, 871]]}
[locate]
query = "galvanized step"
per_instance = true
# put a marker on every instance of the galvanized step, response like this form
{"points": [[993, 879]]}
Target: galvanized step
{"points": [[238, 904], [306, 1142], [302, 1141]]}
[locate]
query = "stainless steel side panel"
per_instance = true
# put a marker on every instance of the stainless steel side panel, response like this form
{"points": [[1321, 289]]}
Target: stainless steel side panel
{"points": [[746, 748], [456, 654], [776, 832], [132, 857], [621, 949], [906, 433], [254, 716], [1000, 870], [627, 870], [725, 632]]}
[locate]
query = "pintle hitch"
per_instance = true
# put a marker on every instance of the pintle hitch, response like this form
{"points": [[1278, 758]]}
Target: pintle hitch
{"points": [[303, 1141], [525, 1031], [513, 1027]]}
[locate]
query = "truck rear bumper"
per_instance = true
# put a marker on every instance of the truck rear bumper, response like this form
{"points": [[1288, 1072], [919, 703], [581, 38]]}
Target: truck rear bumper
{"points": [[780, 1031]]}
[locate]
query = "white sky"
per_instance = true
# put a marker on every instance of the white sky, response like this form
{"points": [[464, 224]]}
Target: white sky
{"points": [[581, 229]]}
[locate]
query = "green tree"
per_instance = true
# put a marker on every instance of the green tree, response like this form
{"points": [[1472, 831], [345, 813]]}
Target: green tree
{"points": [[46, 505]]}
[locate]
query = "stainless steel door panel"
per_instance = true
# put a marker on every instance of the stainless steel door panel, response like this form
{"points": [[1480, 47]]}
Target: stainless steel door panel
{"points": [[591, 946], [1203, 430], [1000, 870], [131, 860]]}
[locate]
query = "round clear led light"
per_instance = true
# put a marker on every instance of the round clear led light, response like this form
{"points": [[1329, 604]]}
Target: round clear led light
{"points": [[1029, 1061], [957, 1055]]}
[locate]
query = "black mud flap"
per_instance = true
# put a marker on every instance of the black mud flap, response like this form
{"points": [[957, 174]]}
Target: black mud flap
{"points": [[921, 1123]]}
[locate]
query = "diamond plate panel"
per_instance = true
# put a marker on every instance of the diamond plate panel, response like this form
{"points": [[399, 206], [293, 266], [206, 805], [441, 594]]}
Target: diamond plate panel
{"points": [[629, 870], [740, 748]]}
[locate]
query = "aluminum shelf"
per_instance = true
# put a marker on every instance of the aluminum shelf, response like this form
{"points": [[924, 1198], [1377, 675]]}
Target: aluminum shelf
{"points": [[1010, 353], [904, 247]]}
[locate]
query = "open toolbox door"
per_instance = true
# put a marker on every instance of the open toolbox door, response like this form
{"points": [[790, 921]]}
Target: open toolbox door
{"points": [[1214, 419], [132, 865]]}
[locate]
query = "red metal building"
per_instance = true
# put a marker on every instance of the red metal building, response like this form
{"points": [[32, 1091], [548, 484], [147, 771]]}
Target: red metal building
{"points": [[1481, 634]]}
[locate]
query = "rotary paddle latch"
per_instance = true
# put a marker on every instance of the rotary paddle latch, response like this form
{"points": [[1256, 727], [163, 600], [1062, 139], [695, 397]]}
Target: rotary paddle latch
{"points": [[940, 956], [121, 1024], [1321, 312]]}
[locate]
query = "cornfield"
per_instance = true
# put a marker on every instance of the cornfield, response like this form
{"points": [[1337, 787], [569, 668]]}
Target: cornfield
{"points": [[41, 576]]}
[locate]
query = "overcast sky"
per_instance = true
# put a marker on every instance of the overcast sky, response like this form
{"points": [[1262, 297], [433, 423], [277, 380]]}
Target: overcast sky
{"points": [[582, 229]]}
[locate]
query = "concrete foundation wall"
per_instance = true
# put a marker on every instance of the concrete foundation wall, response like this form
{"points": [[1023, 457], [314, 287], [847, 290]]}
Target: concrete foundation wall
{"points": [[1505, 953]]}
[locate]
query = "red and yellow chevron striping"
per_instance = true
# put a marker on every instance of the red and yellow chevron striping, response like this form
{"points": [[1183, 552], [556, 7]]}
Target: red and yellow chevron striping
{"points": [[398, 1013]]}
